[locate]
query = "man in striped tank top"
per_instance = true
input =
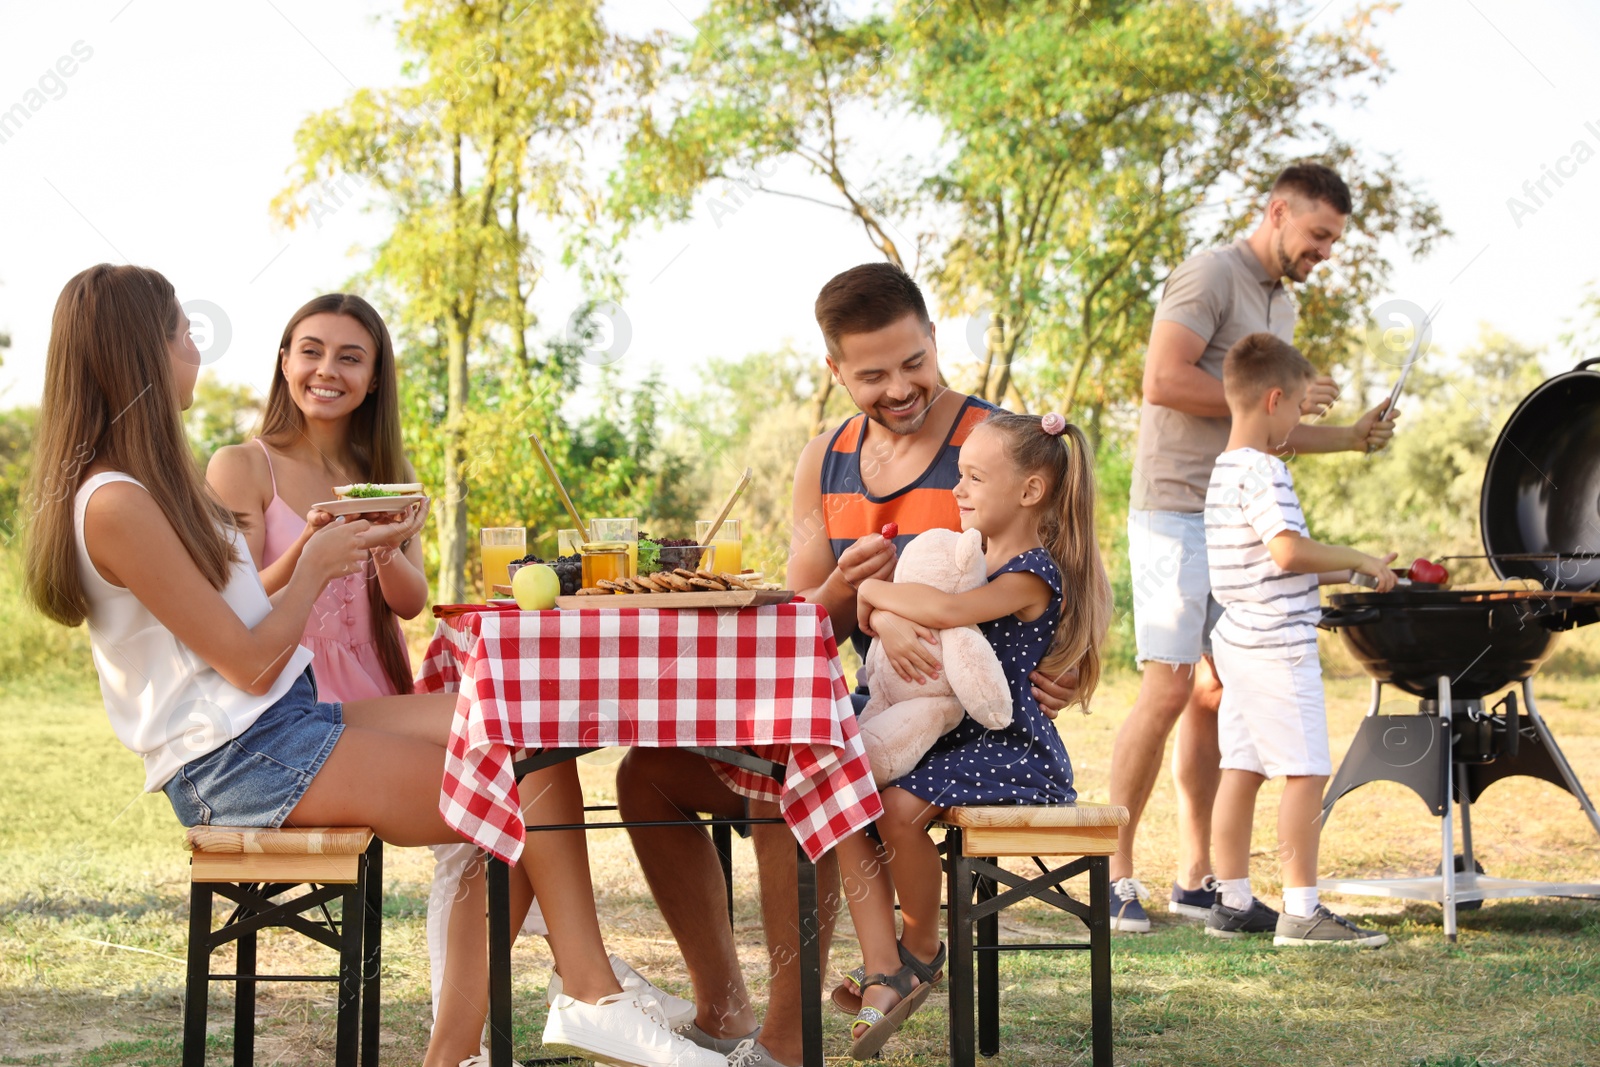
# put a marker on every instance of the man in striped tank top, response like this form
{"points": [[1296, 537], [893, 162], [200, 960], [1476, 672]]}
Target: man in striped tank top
{"points": [[893, 462]]}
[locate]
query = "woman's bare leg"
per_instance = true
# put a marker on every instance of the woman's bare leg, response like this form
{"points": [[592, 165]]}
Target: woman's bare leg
{"points": [[424, 716]]}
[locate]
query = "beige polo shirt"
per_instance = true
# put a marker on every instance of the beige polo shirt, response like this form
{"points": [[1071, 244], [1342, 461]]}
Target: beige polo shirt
{"points": [[1222, 294]]}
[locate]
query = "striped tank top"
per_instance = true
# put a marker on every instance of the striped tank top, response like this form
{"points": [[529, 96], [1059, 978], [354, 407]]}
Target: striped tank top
{"points": [[850, 512]]}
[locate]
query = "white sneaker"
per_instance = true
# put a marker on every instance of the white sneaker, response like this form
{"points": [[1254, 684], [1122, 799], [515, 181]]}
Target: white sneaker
{"points": [[626, 1029], [680, 1012]]}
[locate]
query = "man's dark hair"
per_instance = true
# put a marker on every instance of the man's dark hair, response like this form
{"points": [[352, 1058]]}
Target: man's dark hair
{"points": [[1260, 362], [1315, 182], [867, 298]]}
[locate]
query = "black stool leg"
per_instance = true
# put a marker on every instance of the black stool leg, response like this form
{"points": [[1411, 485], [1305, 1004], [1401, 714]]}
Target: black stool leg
{"points": [[722, 841], [352, 924], [959, 937], [197, 983], [988, 966], [244, 1003], [372, 951], [1100, 957]]}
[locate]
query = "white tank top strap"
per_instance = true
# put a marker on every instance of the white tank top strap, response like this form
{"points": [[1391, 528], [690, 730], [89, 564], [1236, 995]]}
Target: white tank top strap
{"points": [[81, 507], [270, 472]]}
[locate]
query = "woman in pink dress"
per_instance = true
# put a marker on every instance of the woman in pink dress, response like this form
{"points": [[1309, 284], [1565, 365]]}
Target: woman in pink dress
{"points": [[332, 418]]}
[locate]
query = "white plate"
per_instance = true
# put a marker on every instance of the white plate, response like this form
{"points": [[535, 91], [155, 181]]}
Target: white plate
{"points": [[370, 505]]}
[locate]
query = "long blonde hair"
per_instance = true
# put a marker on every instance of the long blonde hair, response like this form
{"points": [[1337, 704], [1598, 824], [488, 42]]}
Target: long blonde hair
{"points": [[374, 441], [1067, 529], [110, 399]]}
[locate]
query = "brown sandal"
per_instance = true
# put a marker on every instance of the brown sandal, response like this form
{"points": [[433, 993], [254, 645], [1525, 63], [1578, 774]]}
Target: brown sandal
{"points": [[881, 1026]]}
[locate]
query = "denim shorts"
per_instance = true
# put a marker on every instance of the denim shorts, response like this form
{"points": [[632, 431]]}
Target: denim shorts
{"points": [[1173, 609], [257, 778]]}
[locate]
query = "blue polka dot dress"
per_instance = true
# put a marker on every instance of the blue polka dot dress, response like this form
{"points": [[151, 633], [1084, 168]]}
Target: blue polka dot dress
{"points": [[1026, 763]]}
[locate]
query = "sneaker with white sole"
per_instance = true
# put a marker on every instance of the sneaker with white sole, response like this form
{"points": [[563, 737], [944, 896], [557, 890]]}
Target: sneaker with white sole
{"points": [[1323, 927], [1237, 922], [625, 1029], [1195, 903], [680, 1012], [724, 1045], [1127, 913], [752, 1053]]}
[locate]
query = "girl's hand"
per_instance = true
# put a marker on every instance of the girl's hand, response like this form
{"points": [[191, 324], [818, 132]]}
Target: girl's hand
{"points": [[909, 647], [392, 532], [335, 550], [864, 607]]}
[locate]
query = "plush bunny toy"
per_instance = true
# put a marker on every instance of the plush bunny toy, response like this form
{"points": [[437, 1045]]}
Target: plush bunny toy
{"points": [[903, 719]]}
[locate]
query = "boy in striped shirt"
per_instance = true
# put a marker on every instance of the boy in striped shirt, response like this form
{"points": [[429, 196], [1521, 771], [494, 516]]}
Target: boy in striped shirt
{"points": [[1264, 572]]}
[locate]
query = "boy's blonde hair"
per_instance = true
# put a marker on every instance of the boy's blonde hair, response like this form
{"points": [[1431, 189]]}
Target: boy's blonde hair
{"points": [[1259, 363]]}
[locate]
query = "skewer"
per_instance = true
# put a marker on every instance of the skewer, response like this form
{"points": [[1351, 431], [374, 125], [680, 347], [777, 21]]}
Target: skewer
{"points": [[733, 497], [561, 490]]}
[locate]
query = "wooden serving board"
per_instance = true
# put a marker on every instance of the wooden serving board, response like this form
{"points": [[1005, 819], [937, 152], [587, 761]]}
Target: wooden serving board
{"points": [[733, 598]]}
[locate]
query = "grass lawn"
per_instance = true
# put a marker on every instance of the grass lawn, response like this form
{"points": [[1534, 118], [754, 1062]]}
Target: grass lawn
{"points": [[93, 911]]}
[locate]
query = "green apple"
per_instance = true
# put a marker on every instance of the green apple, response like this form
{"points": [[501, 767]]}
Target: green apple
{"points": [[535, 587]]}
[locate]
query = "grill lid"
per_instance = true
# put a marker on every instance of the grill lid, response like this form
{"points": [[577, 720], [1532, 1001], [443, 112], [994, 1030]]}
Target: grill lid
{"points": [[1541, 486]]}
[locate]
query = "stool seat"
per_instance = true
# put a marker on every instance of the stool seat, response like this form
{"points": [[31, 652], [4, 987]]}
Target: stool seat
{"points": [[329, 855], [1037, 830]]}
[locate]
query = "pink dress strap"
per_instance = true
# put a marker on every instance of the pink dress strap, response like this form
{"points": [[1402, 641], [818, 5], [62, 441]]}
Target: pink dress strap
{"points": [[339, 631]]}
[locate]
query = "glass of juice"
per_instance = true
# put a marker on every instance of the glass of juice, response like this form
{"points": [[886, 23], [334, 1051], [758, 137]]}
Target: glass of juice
{"points": [[603, 560], [500, 546], [728, 541], [624, 530], [570, 542]]}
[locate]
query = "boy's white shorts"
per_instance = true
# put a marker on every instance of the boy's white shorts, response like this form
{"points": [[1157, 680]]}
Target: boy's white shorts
{"points": [[1272, 720]]}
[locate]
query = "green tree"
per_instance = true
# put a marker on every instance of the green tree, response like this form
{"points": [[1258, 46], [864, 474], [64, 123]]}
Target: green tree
{"points": [[221, 414], [484, 141]]}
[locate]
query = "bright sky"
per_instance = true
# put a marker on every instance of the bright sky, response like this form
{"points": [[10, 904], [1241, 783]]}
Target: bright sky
{"points": [[170, 135]]}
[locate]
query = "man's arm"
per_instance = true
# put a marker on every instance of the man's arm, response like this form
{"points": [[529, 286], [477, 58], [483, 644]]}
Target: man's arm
{"points": [[1172, 374], [812, 569]]}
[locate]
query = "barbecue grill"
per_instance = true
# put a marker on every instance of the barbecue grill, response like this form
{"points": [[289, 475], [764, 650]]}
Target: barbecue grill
{"points": [[1455, 649]]}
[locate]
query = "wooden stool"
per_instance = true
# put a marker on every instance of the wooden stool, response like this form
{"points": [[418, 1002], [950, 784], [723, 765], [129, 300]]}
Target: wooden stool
{"points": [[250, 867], [974, 839]]}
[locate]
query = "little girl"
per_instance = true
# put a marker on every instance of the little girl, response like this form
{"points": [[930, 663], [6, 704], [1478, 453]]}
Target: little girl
{"points": [[204, 676], [1028, 486]]}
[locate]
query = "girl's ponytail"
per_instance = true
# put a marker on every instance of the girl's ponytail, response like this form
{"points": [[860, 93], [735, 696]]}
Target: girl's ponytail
{"points": [[1068, 533], [1066, 526]]}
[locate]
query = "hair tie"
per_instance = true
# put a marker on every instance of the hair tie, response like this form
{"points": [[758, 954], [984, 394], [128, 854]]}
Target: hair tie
{"points": [[1053, 424]]}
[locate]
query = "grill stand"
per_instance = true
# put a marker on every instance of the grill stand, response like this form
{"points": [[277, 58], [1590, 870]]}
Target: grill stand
{"points": [[1416, 751]]}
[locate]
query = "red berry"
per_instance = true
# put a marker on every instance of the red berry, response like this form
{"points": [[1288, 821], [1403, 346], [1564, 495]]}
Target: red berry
{"points": [[891, 530]]}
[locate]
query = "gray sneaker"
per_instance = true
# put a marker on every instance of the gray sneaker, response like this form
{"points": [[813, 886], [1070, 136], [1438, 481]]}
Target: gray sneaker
{"points": [[1224, 921], [752, 1053], [724, 1045], [1324, 928]]}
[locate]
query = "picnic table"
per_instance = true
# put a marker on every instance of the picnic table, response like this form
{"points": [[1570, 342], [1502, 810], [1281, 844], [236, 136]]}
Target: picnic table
{"points": [[759, 690]]}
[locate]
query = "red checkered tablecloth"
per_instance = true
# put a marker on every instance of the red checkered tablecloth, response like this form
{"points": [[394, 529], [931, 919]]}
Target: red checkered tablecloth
{"points": [[767, 679]]}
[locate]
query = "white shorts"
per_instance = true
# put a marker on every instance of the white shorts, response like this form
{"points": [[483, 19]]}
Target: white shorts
{"points": [[1173, 609], [1272, 720]]}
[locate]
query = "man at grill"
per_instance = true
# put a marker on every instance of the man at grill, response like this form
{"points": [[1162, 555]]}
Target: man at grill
{"points": [[1212, 300]]}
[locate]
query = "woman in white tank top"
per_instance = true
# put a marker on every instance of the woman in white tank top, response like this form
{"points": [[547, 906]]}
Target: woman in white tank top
{"points": [[204, 677]]}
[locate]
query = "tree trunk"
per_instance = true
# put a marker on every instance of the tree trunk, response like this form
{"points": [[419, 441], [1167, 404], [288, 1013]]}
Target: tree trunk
{"points": [[819, 405], [453, 510]]}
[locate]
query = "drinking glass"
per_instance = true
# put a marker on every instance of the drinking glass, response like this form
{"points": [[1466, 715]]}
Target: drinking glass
{"points": [[569, 542], [728, 541], [499, 546], [625, 530]]}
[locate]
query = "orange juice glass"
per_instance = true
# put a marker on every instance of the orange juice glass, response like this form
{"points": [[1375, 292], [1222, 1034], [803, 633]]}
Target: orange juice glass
{"points": [[499, 547], [729, 543]]}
